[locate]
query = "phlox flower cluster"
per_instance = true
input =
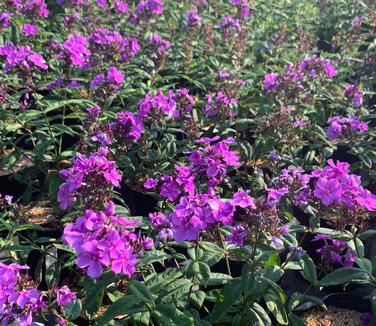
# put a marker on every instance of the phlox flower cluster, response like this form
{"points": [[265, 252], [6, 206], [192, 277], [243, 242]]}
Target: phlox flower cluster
{"points": [[315, 66], [207, 167], [340, 126], [162, 225], [354, 94], [145, 9], [91, 178], [21, 57], [127, 127], [158, 44], [76, 49], [19, 297], [243, 7], [107, 44], [211, 163], [230, 26], [5, 200], [5, 19], [30, 8], [196, 213], [291, 79], [109, 81], [173, 105], [193, 18], [259, 221], [220, 105], [103, 240], [335, 186], [335, 252]]}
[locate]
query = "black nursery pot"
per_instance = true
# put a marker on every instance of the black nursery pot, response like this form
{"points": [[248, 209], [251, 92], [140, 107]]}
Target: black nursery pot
{"points": [[235, 267], [139, 203], [341, 154], [11, 187], [348, 301]]}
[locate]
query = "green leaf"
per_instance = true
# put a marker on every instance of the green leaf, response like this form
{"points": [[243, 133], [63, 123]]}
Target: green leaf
{"points": [[274, 304], [365, 265], [262, 314], [297, 299], [166, 314], [345, 275], [160, 281], [197, 298], [94, 291], [123, 306], [229, 295], [308, 269], [200, 271], [212, 253], [296, 321], [141, 318], [140, 291], [73, 309]]}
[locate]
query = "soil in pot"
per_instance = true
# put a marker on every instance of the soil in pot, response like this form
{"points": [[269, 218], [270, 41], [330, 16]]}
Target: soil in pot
{"points": [[333, 317]]}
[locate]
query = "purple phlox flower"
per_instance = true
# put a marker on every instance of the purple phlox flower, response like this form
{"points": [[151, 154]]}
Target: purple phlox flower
{"points": [[64, 296], [159, 43], [4, 19], [328, 190], [277, 194], [353, 92], [77, 48], [238, 235], [150, 183], [193, 18], [30, 29], [115, 76], [242, 199], [271, 82]]}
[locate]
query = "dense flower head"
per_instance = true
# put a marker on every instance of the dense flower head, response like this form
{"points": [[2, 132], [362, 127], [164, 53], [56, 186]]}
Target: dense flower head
{"points": [[158, 103], [315, 66], [194, 20], [243, 7], [146, 9], [5, 200], [271, 82], [162, 225], [196, 213], [64, 296], [30, 29], [337, 187], [115, 76], [21, 57], [127, 128], [77, 49], [181, 182], [230, 25], [103, 240], [357, 22], [109, 43], [90, 178], [5, 19], [19, 297], [30, 8], [335, 251], [293, 181], [220, 105], [339, 126], [290, 80], [212, 162], [354, 94], [159, 44]]}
